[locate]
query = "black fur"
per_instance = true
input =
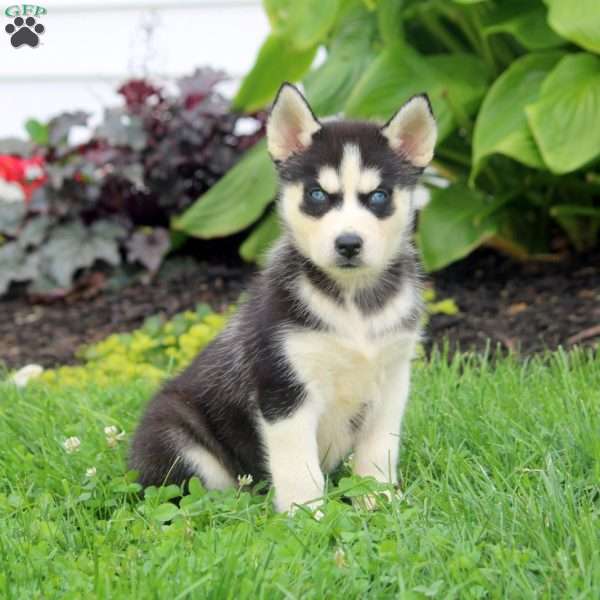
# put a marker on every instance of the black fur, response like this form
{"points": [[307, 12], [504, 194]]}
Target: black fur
{"points": [[327, 149]]}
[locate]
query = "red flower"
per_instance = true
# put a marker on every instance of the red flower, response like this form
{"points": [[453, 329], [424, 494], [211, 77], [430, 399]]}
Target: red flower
{"points": [[27, 173]]}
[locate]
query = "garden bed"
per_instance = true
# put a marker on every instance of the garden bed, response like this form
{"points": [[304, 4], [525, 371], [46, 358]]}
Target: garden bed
{"points": [[526, 307], [50, 334]]}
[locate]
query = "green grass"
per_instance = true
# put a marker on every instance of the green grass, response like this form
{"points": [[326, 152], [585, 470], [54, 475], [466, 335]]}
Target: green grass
{"points": [[501, 472]]}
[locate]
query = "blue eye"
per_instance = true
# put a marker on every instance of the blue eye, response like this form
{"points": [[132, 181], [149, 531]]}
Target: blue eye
{"points": [[317, 195], [378, 198]]}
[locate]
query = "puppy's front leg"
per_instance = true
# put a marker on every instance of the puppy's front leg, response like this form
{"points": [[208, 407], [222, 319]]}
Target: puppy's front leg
{"points": [[293, 458], [376, 451]]}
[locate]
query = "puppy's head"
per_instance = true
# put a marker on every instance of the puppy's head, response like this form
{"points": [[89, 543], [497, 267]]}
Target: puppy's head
{"points": [[345, 185]]}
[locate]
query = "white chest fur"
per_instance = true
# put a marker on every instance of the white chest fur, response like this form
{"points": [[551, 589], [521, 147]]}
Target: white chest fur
{"points": [[345, 368]]}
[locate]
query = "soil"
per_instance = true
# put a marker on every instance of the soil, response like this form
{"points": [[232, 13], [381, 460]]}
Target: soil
{"points": [[50, 333], [523, 307]]}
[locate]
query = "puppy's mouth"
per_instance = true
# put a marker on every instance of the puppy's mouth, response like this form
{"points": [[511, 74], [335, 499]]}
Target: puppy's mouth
{"points": [[348, 263]]}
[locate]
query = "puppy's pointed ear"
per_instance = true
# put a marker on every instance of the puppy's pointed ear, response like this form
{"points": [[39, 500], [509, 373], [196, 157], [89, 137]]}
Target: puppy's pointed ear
{"points": [[291, 124], [412, 131]]}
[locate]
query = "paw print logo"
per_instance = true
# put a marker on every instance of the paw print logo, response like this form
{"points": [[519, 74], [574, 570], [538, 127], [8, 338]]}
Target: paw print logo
{"points": [[24, 31]]}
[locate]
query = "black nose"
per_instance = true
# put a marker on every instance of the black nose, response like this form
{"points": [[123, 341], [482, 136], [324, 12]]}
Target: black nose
{"points": [[348, 245]]}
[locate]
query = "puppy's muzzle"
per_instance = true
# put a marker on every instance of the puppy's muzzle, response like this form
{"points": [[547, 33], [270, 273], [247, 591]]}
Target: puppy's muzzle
{"points": [[348, 245]]}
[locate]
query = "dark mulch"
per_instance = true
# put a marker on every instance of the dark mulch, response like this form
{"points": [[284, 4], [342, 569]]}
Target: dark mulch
{"points": [[49, 334], [526, 307]]}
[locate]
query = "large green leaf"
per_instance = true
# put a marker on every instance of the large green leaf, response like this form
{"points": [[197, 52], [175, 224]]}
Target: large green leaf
{"points": [[456, 220], [389, 20], [236, 201], [277, 61], [576, 20], [455, 84], [349, 54], [261, 239], [302, 24], [277, 13], [501, 125], [565, 120], [526, 20], [38, 132]]}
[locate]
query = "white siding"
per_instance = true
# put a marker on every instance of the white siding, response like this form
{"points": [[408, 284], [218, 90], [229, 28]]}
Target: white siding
{"points": [[90, 46]]}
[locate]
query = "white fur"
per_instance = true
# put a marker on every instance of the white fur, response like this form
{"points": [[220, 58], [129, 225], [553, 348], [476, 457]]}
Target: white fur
{"points": [[207, 467], [369, 180], [291, 124], [292, 454], [329, 180], [413, 131], [376, 452]]}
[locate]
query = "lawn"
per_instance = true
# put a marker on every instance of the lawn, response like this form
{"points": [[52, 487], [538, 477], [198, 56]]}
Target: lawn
{"points": [[500, 467]]}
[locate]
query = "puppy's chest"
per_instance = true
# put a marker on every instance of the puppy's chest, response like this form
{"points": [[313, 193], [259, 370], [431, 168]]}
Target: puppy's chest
{"points": [[348, 360], [344, 371], [351, 353]]}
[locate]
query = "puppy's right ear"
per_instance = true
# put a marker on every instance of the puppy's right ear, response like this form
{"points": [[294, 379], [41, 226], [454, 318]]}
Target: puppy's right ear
{"points": [[291, 124]]}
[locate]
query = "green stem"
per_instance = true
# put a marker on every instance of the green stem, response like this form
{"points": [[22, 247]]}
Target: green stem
{"points": [[432, 24], [503, 52], [455, 155], [493, 179], [483, 41]]}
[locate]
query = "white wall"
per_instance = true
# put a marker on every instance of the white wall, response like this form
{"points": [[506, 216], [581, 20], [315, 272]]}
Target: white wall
{"points": [[90, 46]]}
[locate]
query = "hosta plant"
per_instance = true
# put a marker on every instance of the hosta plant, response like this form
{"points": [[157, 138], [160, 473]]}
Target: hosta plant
{"points": [[67, 207], [515, 86]]}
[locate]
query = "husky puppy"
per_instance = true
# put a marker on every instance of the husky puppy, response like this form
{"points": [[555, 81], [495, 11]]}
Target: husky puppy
{"points": [[316, 362]]}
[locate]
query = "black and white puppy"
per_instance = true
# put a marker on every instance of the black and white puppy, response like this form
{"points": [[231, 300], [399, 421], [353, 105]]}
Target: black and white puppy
{"points": [[316, 363]]}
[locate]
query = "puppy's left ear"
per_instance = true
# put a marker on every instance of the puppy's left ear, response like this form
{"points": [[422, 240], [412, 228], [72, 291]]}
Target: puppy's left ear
{"points": [[291, 124], [412, 131]]}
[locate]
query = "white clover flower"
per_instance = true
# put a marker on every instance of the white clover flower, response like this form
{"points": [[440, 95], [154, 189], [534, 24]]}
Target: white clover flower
{"points": [[72, 445], [244, 480], [339, 557], [22, 376], [113, 436], [91, 472]]}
